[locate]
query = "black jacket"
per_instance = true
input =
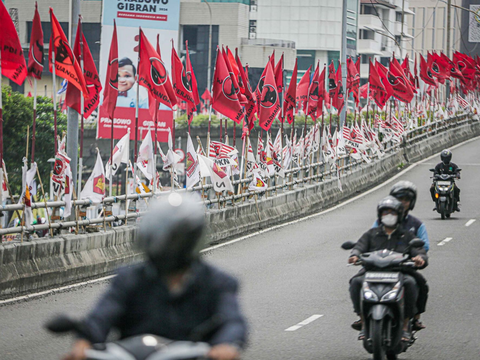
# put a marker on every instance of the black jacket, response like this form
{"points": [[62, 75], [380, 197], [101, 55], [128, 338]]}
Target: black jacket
{"points": [[450, 169], [377, 239], [139, 302]]}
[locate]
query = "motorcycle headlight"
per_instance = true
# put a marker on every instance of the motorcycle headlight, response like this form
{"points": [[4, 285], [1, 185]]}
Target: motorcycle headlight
{"points": [[369, 294], [392, 294]]}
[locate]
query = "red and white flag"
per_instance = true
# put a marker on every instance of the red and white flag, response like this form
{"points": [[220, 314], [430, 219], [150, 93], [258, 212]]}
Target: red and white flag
{"points": [[192, 167], [145, 162], [120, 155], [220, 180], [94, 188]]}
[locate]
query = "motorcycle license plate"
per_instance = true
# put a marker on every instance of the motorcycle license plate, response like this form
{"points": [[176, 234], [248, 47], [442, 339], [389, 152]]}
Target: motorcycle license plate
{"points": [[443, 198], [443, 183], [382, 277]]}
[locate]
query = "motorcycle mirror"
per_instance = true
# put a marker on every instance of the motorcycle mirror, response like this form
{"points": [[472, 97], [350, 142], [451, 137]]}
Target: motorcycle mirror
{"points": [[348, 245], [417, 243], [432, 170], [459, 169], [62, 324]]}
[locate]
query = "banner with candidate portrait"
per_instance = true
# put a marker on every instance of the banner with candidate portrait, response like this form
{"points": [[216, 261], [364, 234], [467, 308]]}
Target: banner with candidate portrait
{"points": [[160, 17]]}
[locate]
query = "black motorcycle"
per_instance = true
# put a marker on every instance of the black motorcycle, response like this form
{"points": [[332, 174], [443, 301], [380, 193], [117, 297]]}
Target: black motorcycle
{"points": [[444, 185], [382, 301], [142, 347]]}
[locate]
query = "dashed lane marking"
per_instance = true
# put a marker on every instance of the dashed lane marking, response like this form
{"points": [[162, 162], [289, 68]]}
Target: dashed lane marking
{"points": [[304, 322], [470, 222], [444, 241]]}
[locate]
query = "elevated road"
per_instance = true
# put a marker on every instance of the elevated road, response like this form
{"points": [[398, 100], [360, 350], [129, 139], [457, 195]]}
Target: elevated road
{"points": [[295, 282]]}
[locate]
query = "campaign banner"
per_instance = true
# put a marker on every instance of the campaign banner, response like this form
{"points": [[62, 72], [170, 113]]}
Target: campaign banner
{"points": [[160, 17]]}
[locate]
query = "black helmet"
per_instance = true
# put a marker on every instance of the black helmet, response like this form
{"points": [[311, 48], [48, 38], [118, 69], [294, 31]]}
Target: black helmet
{"points": [[170, 232], [446, 156], [390, 203], [405, 189]]}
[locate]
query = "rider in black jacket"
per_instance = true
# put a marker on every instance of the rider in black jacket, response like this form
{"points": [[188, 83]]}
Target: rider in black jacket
{"points": [[450, 168], [173, 293], [392, 236]]}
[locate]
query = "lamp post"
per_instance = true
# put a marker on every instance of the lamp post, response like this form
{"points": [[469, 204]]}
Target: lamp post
{"points": [[209, 47]]}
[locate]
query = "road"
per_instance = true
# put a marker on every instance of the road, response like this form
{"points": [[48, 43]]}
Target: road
{"points": [[297, 271]]}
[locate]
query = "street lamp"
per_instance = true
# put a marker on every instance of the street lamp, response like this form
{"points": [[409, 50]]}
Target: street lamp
{"points": [[209, 47]]}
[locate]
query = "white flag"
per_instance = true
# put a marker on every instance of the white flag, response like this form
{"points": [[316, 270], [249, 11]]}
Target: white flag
{"points": [[145, 162], [28, 177], [257, 184], [220, 180], [94, 188], [68, 192], [192, 167], [120, 155]]}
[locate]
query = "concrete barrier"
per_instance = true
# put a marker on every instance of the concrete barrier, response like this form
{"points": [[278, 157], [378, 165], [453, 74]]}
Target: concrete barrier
{"points": [[42, 264]]}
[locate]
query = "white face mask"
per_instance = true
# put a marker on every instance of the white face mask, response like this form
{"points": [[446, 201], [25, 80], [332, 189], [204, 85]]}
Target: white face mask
{"points": [[389, 220]]}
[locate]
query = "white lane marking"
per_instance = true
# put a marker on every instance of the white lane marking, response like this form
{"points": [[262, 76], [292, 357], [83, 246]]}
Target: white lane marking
{"points": [[470, 222], [444, 241], [304, 322], [346, 202], [51, 291]]}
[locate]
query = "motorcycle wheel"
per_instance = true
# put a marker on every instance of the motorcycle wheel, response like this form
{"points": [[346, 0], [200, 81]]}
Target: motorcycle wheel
{"points": [[378, 340], [448, 216], [442, 210], [391, 356]]}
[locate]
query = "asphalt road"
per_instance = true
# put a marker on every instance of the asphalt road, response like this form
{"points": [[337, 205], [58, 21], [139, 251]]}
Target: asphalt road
{"points": [[298, 272]]}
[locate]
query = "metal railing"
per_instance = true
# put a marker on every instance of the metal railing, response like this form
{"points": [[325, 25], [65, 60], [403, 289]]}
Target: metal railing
{"points": [[308, 173]]}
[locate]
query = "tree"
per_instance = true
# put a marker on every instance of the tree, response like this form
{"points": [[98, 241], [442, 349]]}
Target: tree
{"points": [[17, 117]]}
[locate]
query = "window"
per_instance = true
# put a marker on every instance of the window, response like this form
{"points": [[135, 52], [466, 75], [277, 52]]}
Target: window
{"points": [[398, 17]]}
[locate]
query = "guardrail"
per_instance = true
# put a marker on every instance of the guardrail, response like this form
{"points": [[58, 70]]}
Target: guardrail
{"points": [[313, 171]]}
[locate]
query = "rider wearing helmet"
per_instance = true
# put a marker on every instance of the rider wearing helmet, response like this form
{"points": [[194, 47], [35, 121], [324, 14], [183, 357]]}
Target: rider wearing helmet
{"points": [[173, 293], [406, 192], [450, 168], [392, 236]]}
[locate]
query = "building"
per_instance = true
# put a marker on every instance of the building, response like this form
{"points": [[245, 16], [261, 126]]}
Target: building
{"points": [[383, 31], [428, 27]]}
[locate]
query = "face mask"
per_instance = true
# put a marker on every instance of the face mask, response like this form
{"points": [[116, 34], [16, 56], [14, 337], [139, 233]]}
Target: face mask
{"points": [[389, 220]]}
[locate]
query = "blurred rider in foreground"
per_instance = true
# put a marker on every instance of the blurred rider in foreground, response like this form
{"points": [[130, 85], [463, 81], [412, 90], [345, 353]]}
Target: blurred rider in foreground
{"points": [[173, 293]]}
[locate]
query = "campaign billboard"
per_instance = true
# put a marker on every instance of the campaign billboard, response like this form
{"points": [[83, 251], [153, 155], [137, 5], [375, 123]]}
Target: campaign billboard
{"points": [[154, 17]]}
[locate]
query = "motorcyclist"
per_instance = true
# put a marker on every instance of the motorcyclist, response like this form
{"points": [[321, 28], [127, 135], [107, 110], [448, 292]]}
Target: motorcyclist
{"points": [[449, 168], [406, 192], [173, 293], [389, 235]]}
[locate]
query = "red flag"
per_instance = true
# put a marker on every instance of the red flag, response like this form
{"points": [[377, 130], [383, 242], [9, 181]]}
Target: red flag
{"points": [[439, 68], [425, 73], [332, 80], [258, 90], [452, 68], [152, 73], [234, 77], [181, 79], [279, 75], [338, 99], [207, 96], [465, 64], [233, 66], [353, 80], [290, 99], [110, 93], [302, 89], [408, 75], [313, 90], [377, 90], [382, 73], [168, 84], [13, 62], [66, 65], [269, 103], [322, 93], [90, 74], [35, 53], [401, 86], [225, 99], [250, 106]]}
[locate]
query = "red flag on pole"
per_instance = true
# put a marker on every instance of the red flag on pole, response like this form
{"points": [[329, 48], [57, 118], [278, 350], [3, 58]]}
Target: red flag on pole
{"points": [[90, 74], [35, 53], [250, 106], [152, 73], [353, 80], [401, 86], [181, 79], [439, 68], [66, 66], [425, 73], [382, 73], [234, 77], [336, 87], [13, 62], [110, 93], [290, 99], [225, 99], [322, 93], [279, 75], [302, 89], [453, 69], [258, 90], [408, 75], [313, 92], [269, 103], [377, 91]]}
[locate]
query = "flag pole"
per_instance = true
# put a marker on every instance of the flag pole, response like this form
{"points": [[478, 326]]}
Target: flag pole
{"points": [[34, 117], [54, 99], [136, 112], [82, 105], [155, 148]]}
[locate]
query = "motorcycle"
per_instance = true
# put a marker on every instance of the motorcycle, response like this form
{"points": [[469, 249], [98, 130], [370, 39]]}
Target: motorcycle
{"points": [[382, 301], [444, 185], [142, 347]]}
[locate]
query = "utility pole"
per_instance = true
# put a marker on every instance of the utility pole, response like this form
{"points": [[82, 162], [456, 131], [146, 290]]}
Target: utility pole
{"points": [[72, 115], [401, 31], [449, 14], [344, 62]]}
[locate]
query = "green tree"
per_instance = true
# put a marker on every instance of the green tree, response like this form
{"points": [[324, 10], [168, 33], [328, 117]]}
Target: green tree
{"points": [[17, 117]]}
